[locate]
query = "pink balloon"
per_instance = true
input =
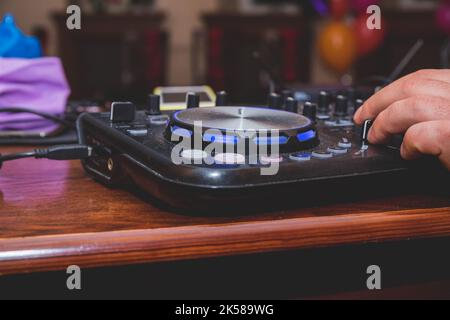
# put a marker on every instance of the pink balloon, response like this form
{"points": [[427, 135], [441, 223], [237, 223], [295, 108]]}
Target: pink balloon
{"points": [[368, 40], [443, 17], [360, 6]]}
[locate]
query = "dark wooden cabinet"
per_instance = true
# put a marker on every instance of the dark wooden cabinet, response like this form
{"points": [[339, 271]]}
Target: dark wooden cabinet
{"points": [[114, 56], [283, 42]]}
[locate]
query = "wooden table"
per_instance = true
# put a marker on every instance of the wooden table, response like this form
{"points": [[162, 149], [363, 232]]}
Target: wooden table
{"points": [[52, 216]]}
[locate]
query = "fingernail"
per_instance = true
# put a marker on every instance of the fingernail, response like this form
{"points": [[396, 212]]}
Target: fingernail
{"points": [[402, 151]]}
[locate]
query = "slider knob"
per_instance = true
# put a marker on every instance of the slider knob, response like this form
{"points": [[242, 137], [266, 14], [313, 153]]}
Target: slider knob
{"points": [[365, 133]]}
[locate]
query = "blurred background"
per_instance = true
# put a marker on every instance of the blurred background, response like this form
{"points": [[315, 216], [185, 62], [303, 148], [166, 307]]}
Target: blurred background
{"points": [[127, 47]]}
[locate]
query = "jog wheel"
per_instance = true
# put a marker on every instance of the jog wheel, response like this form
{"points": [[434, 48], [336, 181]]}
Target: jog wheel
{"points": [[290, 132]]}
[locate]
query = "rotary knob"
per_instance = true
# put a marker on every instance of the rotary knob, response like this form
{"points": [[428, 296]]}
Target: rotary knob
{"points": [[153, 105], [275, 101], [310, 111], [341, 108], [193, 100], [286, 94], [291, 105], [221, 99], [324, 102]]}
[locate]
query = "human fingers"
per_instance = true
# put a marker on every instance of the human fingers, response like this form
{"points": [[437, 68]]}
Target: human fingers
{"points": [[403, 114], [431, 138], [400, 90]]}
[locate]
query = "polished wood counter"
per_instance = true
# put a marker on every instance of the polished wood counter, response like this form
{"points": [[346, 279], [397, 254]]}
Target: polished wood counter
{"points": [[52, 215]]}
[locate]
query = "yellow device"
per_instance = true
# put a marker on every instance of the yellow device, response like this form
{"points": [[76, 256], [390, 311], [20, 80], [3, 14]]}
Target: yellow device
{"points": [[174, 98]]}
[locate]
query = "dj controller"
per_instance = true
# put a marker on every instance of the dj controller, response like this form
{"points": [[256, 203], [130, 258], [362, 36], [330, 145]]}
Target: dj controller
{"points": [[224, 158]]}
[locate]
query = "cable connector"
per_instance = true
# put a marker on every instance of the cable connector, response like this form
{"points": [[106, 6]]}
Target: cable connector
{"points": [[64, 152]]}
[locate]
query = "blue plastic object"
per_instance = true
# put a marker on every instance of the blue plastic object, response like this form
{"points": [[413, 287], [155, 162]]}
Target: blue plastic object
{"points": [[14, 44]]}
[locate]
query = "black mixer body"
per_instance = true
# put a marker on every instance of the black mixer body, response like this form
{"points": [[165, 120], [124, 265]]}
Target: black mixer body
{"points": [[298, 161]]}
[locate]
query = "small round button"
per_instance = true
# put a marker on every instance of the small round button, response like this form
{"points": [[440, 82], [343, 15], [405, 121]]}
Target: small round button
{"points": [[322, 155], [194, 154], [229, 158], [271, 159], [138, 132], [159, 120], [337, 150], [345, 143], [304, 156], [323, 116]]}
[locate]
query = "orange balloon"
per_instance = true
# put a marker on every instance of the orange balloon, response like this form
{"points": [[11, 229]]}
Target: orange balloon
{"points": [[337, 46]]}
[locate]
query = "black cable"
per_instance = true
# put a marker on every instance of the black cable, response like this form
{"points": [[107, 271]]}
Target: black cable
{"points": [[63, 152], [37, 113], [16, 156], [60, 152]]}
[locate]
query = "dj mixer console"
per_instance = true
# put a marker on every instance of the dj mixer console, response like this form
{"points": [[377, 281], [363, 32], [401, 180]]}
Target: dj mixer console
{"points": [[229, 157]]}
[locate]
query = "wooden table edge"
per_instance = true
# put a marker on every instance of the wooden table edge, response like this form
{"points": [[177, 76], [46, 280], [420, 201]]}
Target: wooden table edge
{"points": [[57, 252]]}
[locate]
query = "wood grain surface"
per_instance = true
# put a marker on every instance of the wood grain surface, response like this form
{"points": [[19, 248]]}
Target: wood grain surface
{"points": [[52, 215]]}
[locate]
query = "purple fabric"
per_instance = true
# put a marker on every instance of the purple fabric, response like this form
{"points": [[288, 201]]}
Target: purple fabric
{"points": [[37, 84]]}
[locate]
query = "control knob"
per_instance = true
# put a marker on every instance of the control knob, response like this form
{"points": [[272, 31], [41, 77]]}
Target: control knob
{"points": [[275, 101], [153, 105], [123, 112], [310, 111], [324, 102], [291, 105], [221, 99], [193, 100], [341, 108]]}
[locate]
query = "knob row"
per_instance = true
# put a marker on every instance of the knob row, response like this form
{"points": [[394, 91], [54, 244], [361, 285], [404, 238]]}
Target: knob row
{"points": [[342, 103], [123, 111], [284, 101]]}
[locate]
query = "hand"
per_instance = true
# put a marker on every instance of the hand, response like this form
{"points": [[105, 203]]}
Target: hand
{"points": [[417, 105]]}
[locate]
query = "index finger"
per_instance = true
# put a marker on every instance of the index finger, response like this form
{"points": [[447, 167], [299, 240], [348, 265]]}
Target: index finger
{"points": [[404, 88]]}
